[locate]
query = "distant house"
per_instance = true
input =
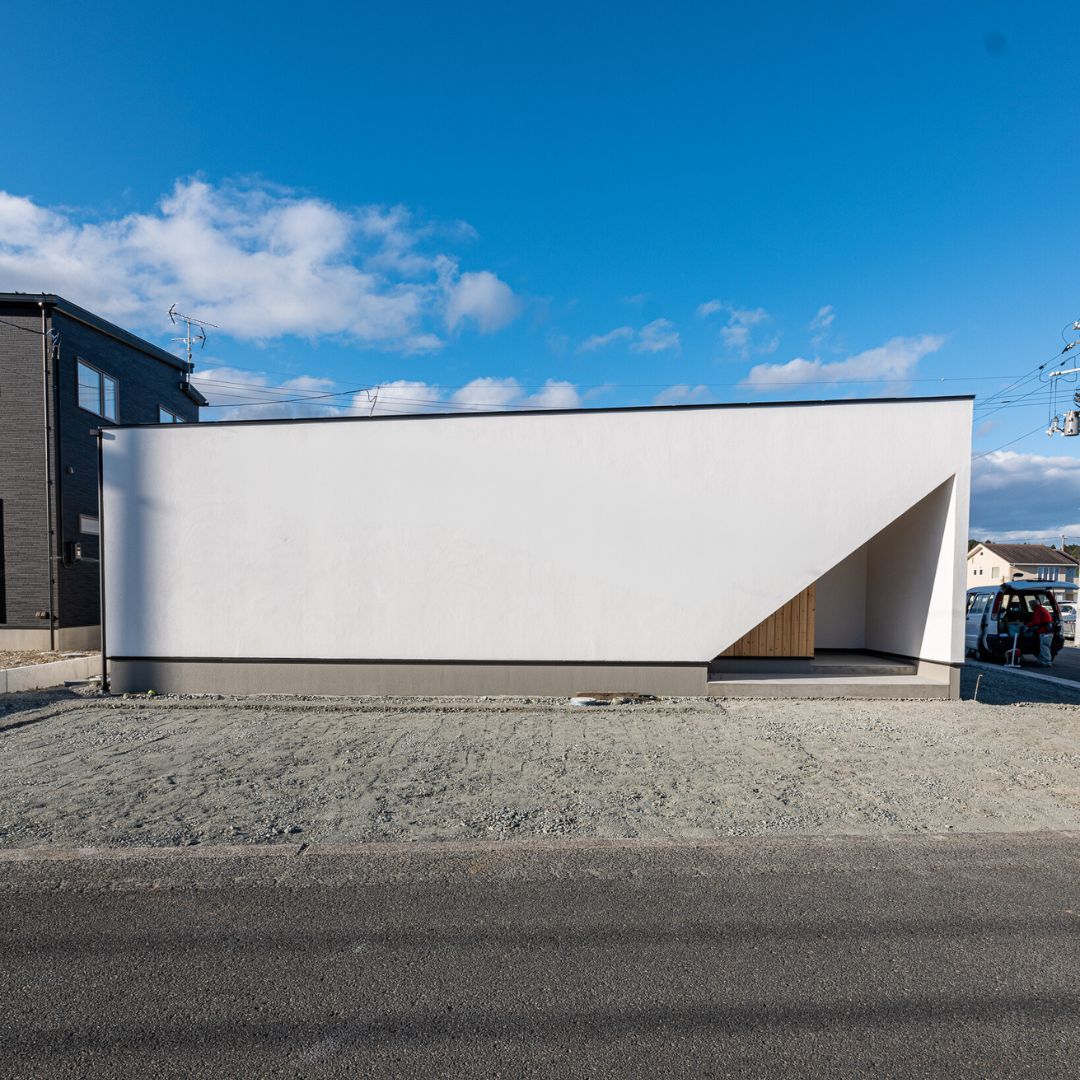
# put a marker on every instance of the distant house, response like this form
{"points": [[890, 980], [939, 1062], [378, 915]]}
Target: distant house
{"points": [[64, 372], [989, 563]]}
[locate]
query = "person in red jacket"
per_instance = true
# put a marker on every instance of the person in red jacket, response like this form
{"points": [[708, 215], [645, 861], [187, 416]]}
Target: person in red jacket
{"points": [[1041, 623]]}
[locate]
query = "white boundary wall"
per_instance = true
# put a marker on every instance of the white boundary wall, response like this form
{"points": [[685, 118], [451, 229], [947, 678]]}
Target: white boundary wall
{"points": [[593, 536]]}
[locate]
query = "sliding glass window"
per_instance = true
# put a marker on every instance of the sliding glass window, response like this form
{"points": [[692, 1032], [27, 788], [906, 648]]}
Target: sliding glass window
{"points": [[98, 392]]}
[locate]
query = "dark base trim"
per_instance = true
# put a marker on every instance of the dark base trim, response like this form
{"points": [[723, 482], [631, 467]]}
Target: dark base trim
{"points": [[415, 663], [402, 678], [467, 678]]}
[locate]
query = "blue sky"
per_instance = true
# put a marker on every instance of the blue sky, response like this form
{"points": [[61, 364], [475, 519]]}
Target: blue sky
{"points": [[489, 205]]}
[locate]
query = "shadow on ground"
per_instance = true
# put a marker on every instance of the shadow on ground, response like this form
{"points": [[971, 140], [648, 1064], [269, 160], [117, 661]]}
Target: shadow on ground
{"points": [[13, 707]]}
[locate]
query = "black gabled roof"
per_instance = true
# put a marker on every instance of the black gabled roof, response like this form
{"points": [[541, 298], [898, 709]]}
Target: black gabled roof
{"points": [[194, 394], [73, 311]]}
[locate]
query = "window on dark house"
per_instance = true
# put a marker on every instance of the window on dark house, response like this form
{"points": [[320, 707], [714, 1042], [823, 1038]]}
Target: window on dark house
{"points": [[167, 417], [98, 392]]}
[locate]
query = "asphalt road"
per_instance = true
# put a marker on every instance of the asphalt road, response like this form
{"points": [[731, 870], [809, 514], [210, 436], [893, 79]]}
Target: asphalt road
{"points": [[952, 957], [1067, 664]]}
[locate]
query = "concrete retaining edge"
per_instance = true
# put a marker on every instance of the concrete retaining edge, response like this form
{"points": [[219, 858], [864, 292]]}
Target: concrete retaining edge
{"points": [[44, 676], [473, 862]]}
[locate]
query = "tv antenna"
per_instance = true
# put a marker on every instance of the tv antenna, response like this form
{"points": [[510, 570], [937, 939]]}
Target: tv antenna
{"points": [[195, 333]]}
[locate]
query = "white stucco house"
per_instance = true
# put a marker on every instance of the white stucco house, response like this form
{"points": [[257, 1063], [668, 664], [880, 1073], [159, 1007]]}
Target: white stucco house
{"points": [[989, 563], [792, 547]]}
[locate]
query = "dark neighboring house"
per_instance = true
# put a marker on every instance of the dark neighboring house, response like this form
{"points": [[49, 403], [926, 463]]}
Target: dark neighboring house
{"points": [[63, 373]]}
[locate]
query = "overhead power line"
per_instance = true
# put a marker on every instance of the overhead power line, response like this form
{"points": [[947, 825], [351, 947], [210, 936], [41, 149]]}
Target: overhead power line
{"points": [[1028, 390], [986, 453], [18, 326], [227, 388], [213, 381]]}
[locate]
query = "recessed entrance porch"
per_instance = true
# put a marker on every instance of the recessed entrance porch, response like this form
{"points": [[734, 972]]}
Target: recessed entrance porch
{"points": [[831, 673], [862, 629]]}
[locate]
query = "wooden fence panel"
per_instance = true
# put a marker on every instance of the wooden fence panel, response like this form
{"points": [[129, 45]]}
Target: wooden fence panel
{"points": [[787, 632]]}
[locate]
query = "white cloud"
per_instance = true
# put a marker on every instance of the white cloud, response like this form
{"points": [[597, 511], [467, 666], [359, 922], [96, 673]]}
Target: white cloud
{"points": [[737, 333], [483, 298], [598, 341], [488, 393], [421, 343], [480, 395], [896, 359], [557, 341], [595, 392], [555, 395], [491, 394], [821, 322], [657, 336], [681, 394], [1051, 537], [260, 261], [245, 395], [740, 325], [400, 396], [1017, 497]]}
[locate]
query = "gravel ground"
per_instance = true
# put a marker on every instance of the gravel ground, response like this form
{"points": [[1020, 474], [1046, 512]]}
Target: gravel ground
{"points": [[82, 771], [9, 659]]}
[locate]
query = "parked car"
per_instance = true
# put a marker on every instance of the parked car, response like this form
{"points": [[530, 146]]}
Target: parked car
{"points": [[1068, 619], [992, 610]]}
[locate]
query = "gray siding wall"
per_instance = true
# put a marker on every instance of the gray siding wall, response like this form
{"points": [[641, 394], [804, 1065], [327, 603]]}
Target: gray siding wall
{"points": [[24, 548], [145, 384]]}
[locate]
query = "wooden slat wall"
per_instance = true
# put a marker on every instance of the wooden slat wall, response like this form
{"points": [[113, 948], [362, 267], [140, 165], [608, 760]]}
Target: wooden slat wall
{"points": [[787, 632]]}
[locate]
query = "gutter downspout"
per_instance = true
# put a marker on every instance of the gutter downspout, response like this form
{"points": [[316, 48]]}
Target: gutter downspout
{"points": [[104, 689], [46, 400]]}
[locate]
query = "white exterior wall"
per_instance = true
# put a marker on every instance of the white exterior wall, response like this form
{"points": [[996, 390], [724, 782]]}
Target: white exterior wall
{"points": [[590, 536], [840, 605], [915, 579]]}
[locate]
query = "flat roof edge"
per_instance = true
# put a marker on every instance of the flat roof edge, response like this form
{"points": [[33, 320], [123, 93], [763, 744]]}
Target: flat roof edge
{"points": [[568, 412]]}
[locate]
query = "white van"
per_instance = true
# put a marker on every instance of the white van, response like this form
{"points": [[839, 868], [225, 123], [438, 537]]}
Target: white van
{"points": [[994, 610]]}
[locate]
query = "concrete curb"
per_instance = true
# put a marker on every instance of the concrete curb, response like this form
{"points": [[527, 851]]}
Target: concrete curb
{"points": [[296, 866], [533, 843], [1025, 673], [45, 676]]}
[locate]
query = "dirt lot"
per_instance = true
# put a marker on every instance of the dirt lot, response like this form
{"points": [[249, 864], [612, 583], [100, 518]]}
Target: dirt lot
{"points": [[22, 658], [80, 771]]}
